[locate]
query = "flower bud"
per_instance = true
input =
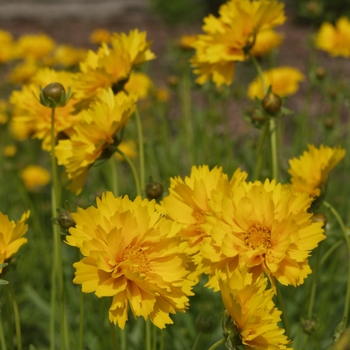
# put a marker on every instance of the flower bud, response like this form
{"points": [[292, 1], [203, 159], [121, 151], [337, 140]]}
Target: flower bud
{"points": [[65, 219], [320, 218], [328, 123], [272, 103], [154, 190], [320, 73], [54, 95], [309, 325]]}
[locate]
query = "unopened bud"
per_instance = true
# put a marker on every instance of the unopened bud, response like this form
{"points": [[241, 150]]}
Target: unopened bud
{"points": [[65, 219], [328, 123], [272, 103], [154, 190], [54, 95], [309, 325], [320, 73]]}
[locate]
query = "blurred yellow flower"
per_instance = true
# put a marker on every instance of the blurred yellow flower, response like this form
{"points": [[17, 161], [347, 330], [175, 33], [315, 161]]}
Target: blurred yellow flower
{"points": [[310, 171], [283, 80], [35, 177], [138, 84], [266, 41], [10, 150], [128, 148], [111, 65], [252, 313], [334, 39], [100, 35], [34, 46], [69, 56], [7, 46], [186, 42], [93, 136], [133, 254], [162, 94], [28, 110], [22, 72], [265, 226], [227, 37], [11, 236], [4, 111]]}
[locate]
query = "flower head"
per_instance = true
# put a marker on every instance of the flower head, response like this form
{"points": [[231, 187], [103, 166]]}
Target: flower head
{"points": [[334, 39], [228, 37], [265, 42], [310, 171], [111, 65], [284, 81], [88, 140], [133, 254], [35, 177], [252, 311], [11, 236], [265, 226]]}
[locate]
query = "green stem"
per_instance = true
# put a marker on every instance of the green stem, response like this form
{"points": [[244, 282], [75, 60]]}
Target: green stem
{"points": [[148, 335], [114, 176], [217, 344], [260, 150], [122, 333], [272, 123], [114, 336], [141, 151], [314, 284], [81, 321], [347, 240], [196, 341], [16, 315], [330, 251], [282, 307], [133, 169], [2, 337]]}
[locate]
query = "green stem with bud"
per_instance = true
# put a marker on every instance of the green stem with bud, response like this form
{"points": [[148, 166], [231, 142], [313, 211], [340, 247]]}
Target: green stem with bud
{"points": [[141, 151], [272, 122], [347, 240]]}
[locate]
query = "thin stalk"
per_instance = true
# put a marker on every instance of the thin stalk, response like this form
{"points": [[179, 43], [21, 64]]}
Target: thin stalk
{"points": [[217, 344], [272, 123], [330, 251], [2, 337], [16, 315], [258, 165], [347, 240], [122, 333], [114, 336], [196, 341], [314, 284], [133, 169], [141, 150], [81, 321], [161, 340], [114, 176], [282, 307], [148, 335]]}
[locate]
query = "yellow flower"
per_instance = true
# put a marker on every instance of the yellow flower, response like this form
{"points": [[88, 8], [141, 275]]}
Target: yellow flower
{"points": [[310, 171], [253, 314], [284, 81], [138, 84], [28, 110], [35, 177], [7, 46], [334, 39], [227, 37], [133, 254], [265, 42], [112, 64], [100, 35], [128, 148], [186, 42], [89, 139], [265, 226], [4, 111], [34, 46], [11, 236], [69, 56], [10, 150], [23, 72]]}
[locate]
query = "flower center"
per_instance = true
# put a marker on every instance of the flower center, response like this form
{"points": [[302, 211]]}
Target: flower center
{"points": [[199, 216], [136, 258], [257, 236]]}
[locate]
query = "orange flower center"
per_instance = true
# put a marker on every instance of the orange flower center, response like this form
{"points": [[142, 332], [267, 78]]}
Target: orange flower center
{"points": [[137, 259], [199, 216], [257, 236]]}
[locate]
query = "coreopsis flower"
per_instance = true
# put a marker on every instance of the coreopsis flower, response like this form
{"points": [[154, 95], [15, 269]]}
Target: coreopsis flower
{"points": [[133, 254], [10, 150], [23, 71], [4, 111], [69, 56], [35, 177], [92, 137], [138, 84], [11, 236], [28, 110], [334, 39], [265, 226], [310, 171], [284, 81], [253, 318], [266, 41], [100, 35], [34, 46], [7, 46], [111, 65], [228, 37], [188, 203]]}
